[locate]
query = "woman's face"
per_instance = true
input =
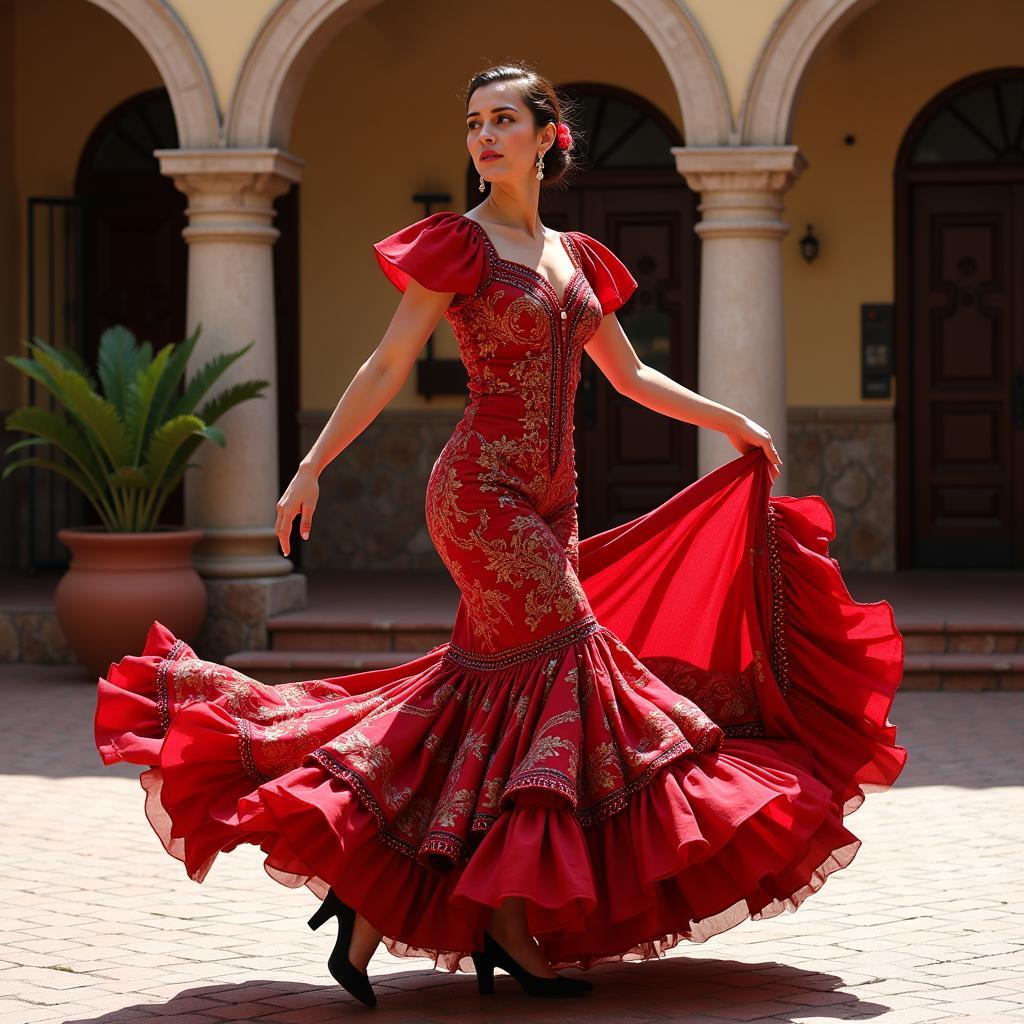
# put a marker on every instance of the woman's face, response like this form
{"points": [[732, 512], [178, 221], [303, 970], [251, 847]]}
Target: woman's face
{"points": [[498, 122]]}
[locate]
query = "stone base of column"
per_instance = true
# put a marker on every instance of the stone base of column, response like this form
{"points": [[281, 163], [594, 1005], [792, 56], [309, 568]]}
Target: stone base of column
{"points": [[240, 551], [236, 619]]}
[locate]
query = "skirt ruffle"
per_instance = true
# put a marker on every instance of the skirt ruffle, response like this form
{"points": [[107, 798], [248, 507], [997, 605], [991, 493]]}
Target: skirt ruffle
{"points": [[633, 797]]}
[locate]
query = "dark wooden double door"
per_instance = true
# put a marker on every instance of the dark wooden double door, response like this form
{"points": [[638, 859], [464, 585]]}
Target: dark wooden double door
{"points": [[962, 430], [631, 459]]}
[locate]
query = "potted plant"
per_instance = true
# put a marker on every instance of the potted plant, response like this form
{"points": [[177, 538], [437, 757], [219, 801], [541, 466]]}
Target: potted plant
{"points": [[127, 432]]}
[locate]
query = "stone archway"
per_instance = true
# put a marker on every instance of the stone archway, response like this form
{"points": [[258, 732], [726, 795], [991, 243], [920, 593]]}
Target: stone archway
{"points": [[766, 114], [296, 32], [172, 50]]}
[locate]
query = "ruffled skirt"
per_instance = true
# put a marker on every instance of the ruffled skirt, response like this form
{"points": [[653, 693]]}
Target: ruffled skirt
{"points": [[675, 764]]}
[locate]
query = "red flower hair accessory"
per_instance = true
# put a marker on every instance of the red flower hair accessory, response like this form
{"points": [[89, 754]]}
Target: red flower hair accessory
{"points": [[564, 137]]}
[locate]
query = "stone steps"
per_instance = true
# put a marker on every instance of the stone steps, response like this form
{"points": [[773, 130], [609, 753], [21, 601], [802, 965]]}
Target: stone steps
{"points": [[294, 666], [321, 645], [365, 620]]}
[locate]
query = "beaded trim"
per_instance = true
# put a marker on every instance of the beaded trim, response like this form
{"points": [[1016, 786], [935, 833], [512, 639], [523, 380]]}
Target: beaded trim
{"points": [[779, 657], [514, 655], [327, 760], [245, 752], [544, 778], [741, 729], [453, 847], [513, 272], [162, 696], [444, 843], [617, 801]]}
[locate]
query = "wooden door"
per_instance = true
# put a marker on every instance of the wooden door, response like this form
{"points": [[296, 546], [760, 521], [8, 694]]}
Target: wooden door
{"points": [[966, 335], [630, 459]]}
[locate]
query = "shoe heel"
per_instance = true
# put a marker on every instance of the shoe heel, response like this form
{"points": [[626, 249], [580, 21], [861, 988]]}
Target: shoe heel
{"points": [[323, 912], [533, 984], [484, 973]]}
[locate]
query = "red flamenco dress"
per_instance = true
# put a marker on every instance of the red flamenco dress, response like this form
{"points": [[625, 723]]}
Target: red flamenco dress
{"points": [[651, 734]]}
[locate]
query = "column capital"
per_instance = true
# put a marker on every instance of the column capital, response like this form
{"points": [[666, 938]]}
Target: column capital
{"points": [[739, 168], [740, 187], [231, 192], [258, 172]]}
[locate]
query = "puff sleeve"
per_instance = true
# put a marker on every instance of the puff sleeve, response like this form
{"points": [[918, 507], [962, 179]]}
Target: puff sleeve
{"points": [[612, 282], [442, 252]]}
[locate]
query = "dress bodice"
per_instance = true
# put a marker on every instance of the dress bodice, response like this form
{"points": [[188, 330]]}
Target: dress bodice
{"points": [[521, 343]]}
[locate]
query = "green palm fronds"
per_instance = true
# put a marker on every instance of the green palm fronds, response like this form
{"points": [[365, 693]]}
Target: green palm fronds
{"points": [[127, 432]]}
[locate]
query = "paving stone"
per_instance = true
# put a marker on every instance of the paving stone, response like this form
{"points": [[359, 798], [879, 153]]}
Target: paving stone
{"points": [[103, 925]]}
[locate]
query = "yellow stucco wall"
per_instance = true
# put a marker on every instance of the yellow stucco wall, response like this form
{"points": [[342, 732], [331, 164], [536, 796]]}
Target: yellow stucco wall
{"points": [[736, 31], [870, 81], [60, 85], [355, 191], [223, 32], [407, 135]]}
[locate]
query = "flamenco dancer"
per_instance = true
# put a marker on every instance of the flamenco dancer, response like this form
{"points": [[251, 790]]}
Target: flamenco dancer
{"points": [[631, 739]]}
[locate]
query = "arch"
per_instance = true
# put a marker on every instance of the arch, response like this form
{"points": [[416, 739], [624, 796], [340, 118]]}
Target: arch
{"points": [[928, 140], [766, 114], [296, 32], [177, 59]]}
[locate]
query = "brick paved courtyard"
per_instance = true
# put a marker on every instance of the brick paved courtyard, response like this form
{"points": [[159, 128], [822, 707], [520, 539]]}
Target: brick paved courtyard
{"points": [[100, 924]]}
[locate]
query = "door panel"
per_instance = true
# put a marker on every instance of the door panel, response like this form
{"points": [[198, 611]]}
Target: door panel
{"points": [[968, 355], [630, 459]]}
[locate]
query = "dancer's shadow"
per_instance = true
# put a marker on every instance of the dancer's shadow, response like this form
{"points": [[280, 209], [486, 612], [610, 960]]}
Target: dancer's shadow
{"points": [[692, 991]]}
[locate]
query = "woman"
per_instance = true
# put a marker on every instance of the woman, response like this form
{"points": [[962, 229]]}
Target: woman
{"points": [[640, 737]]}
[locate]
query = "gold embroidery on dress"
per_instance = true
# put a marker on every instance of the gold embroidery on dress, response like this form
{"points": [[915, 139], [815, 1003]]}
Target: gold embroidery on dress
{"points": [[536, 550]]}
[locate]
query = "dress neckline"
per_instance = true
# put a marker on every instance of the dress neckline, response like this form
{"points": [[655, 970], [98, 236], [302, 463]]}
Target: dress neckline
{"points": [[559, 302]]}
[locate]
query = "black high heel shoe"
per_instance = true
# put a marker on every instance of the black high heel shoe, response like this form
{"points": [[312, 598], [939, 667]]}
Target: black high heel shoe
{"points": [[353, 980], [493, 956]]}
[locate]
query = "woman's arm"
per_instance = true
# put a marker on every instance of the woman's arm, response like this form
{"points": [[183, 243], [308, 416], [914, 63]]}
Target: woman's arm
{"points": [[617, 360], [375, 383]]}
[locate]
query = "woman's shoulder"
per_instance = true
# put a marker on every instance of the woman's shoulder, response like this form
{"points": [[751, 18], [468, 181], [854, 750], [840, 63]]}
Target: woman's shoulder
{"points": [[442, 251], [435, 228], [608, 275]]}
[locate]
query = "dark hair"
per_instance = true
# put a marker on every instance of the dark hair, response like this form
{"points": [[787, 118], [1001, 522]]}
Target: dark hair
{"points": [[545, 104]]}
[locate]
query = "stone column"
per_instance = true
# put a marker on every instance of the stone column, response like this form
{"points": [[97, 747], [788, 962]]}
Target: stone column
{"points": [[232, 494], [742, 354]]}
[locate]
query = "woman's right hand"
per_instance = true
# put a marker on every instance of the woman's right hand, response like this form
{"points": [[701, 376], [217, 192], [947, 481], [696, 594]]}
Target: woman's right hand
{"points": [[300, 496]]}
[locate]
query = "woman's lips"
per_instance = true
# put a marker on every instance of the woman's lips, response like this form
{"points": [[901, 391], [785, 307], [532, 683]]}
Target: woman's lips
{"points": [[494, 157]]}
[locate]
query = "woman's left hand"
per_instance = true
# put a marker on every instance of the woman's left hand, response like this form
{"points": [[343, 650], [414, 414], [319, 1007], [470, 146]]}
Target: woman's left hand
{"points": [[749, 434]]}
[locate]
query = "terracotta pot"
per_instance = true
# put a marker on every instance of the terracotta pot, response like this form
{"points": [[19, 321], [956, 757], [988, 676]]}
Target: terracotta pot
{"points": [[118, 583]]}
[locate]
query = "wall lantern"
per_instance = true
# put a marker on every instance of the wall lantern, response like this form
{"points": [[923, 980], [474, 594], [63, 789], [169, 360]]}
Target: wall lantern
{"points": [[809, 246]]}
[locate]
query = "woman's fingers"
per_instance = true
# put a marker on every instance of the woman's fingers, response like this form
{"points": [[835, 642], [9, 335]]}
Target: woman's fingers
{"points": [[283, 527], [287, 509], [774, 462], [307, 518]]}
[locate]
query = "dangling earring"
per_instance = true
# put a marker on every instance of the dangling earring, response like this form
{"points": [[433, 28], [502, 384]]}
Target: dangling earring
{"points": [[540, 165], [481, 183]]}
